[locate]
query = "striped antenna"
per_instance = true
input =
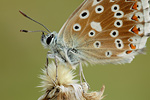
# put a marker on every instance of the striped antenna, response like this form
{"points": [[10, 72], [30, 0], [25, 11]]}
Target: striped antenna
{"points": [[34, 21], [27, 31]]}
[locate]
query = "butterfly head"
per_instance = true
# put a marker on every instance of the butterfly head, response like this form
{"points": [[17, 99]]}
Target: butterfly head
{"points": [[48, 40]]}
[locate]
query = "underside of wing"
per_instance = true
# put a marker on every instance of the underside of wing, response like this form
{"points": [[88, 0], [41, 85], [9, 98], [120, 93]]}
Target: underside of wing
{"points": [[62, 30], [108, 31]]}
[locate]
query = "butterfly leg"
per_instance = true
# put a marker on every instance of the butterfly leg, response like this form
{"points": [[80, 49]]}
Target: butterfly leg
{"points": [[81, 74], [46, 67], [54, 82], [56, 68]]}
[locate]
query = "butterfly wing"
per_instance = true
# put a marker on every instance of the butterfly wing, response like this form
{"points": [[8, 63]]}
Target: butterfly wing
{"points": [[60, 36], [108, 31]]}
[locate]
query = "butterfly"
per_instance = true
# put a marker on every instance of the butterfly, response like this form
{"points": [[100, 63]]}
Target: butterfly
{"points": [[101, 32]]}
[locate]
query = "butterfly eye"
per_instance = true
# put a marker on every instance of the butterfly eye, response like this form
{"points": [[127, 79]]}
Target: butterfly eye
{"points": [[114, 33], [118, 23], [97, 44], [84, 14], [99, 9], [77, 27], [118, 14], [49, 39], [92, 33], [108, 54], [115, 8]]}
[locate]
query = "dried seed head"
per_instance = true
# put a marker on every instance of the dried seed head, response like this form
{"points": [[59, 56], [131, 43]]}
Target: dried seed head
{"points": [[65, 87]]}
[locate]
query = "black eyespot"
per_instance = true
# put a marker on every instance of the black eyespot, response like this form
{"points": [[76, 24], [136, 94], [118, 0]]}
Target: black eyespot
{"points": [[118, 14], [97, 44], [114, 33], [108, 53], [84, 14], [98, 0], [49, 39], [118, 41], [115, 8], [139, 29], [76, 27], [99, 9], [118, 23], [119, 45], [91, 33]]}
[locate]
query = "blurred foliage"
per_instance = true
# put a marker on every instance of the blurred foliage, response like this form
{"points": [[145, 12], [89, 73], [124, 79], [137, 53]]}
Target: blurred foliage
{"points": [[22, 55]]}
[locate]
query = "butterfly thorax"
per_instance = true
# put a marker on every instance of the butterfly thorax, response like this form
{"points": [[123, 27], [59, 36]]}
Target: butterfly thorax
{"points": [[57, 48], [66, 54]]}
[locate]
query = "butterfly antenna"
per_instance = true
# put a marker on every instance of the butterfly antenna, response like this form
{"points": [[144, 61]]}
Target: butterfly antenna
{"points": [[26, 31], [34, 21]]}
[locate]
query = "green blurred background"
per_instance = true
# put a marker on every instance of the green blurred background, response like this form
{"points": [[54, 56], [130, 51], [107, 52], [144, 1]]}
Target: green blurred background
{"points": [[22, 55]]}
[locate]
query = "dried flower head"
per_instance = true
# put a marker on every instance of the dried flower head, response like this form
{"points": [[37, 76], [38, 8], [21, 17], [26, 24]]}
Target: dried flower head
{"points": [[65, 87]]}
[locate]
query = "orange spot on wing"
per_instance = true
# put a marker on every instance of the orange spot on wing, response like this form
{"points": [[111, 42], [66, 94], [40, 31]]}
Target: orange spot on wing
{"points": [[134, 6], [134, 18], [132, 46], [131, 40], [135, 30], [128, 52]]}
